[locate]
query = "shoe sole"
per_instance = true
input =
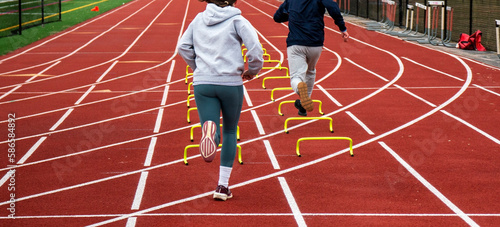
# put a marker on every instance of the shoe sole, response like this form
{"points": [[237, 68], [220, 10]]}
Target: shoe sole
{"points": [[207, 143], [222, 196], [305, 100]]}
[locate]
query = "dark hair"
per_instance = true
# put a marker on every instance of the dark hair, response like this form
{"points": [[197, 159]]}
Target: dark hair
{"points": [[220, 3]]}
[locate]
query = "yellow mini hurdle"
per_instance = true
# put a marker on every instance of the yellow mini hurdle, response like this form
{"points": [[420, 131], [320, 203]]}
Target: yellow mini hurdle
{"points": [[293, 101], [279, 89], [272, 77], [309, 118], [188, 113], [187, 74], [189, 88], [199, 126], [189, 97], [220, 145], [325, 138]]}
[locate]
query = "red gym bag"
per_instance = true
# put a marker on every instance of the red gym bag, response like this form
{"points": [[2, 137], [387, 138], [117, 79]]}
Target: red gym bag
{"points": [[471, 42]]}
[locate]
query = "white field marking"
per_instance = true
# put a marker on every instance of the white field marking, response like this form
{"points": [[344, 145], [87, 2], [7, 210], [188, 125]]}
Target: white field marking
{"points": [[329, 96], [85, 95], [250, 215], [257, 122], [106, 72], [89, 42], [170, 72], [61, 120], [140, 191], [131, 222], [370, 132], [151, 150], [109, 13], [31, 150], [247, 97], [271, 155], [159, 118], [429, 186], [6, 177], [106, 62], [365, 69], [43, 71], [414, 95], [485, 89], [472, 127], [165, 95], [292, 203], [432, 69], [33, 77]]}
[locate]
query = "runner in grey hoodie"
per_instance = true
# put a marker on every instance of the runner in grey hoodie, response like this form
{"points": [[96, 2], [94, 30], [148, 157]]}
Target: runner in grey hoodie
{"points": [[211, 46]]}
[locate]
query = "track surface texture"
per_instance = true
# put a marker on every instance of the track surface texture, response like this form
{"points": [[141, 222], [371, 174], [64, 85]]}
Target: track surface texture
{"points": [[101, 125]]}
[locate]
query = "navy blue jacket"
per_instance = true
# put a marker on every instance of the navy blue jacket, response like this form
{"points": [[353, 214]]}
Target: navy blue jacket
{"points": [[305, 20]]}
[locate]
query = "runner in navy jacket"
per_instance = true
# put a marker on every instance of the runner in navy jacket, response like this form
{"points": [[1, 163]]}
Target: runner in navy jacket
{"points": [[305, 42]]}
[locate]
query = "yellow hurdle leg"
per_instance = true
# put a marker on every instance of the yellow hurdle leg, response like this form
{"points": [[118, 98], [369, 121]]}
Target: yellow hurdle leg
{"points": [[189, 88], [240, 160], [188, 113], [309, 118], [189, 97], [325, 138]]}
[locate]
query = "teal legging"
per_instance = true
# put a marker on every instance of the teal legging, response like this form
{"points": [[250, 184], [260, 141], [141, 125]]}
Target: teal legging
{"points": [[211, 100]]}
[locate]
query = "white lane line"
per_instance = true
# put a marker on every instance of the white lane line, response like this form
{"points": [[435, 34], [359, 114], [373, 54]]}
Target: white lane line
{"points": [[414, 95], [291, 201], [247, 97], [472, 127], [158, 121], [61, 120], [165, 95], [31, 150], [429, 186], [151, 150], [248, 215], [106, 72], [435, 70], [360, 123], [365, 69], [30, 79], [329, 96], [140, 191], [131, 222], [7, 176], [485, 89], [169, 77], [85, 95], [271, 155], [257, 122]]}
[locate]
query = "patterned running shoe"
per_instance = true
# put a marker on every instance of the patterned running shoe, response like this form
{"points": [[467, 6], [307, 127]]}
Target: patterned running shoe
{"points": [[305, 100], [222, 193], [208, 147]]}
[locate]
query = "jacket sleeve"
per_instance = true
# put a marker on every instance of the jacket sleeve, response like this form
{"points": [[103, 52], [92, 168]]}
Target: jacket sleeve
{"points": [[281, 14], [255, 53], [334, 11], [186, 48]]}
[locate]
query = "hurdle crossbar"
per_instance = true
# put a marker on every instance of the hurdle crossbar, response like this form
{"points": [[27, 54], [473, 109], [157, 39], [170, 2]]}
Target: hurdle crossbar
{"points": [[324, 138], [293, 101], [309, 118]]}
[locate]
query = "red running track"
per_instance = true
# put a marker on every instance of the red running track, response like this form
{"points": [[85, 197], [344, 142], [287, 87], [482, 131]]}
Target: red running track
{"points": [[101, 125]]}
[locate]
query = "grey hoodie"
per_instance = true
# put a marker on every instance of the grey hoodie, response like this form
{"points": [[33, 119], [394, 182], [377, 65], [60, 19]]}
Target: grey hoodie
{"points": [[211, 46]]}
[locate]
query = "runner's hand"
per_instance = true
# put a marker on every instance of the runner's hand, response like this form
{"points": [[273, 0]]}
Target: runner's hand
{"points": [[246, 75]]}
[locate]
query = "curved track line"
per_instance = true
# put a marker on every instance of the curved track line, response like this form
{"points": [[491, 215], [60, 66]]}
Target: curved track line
{"points": [[85, 45], [70, 31]]}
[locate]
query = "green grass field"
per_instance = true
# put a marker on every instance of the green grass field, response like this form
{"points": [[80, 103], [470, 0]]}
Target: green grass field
{"points": [[73, 13]]}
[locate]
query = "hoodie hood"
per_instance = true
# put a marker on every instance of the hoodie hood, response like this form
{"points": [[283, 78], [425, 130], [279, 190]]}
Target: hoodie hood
{"points": [[214, 14]]}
